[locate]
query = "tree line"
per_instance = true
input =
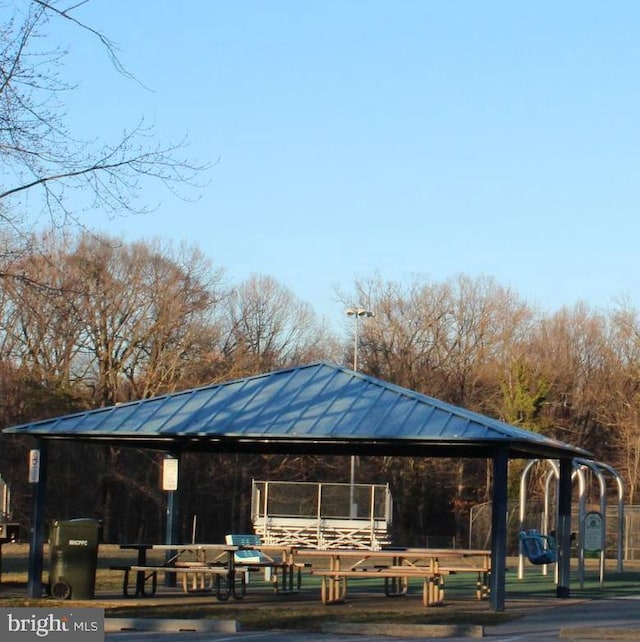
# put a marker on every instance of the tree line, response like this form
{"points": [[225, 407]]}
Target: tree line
{"points": [[89, 320]]}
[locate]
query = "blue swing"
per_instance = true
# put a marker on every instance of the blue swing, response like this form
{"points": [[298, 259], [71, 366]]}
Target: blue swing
{"points": [[539, 549]]}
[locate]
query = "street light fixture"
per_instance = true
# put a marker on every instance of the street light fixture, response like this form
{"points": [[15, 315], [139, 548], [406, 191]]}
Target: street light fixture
{"points": [[357, 314]]}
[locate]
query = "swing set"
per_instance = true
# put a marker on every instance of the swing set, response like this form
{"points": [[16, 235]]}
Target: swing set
{"points": [[539, 547]]}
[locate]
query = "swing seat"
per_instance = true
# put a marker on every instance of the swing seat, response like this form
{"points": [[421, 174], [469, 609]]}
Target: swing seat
{"points": [[539, 549]]}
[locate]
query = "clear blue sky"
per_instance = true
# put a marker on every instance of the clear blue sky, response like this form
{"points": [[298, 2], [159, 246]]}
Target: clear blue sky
{"points": [[398, 137]]}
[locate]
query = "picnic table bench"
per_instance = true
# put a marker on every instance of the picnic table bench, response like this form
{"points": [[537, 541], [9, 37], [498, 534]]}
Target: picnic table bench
{"points": [[199, 574], [194, 578]]}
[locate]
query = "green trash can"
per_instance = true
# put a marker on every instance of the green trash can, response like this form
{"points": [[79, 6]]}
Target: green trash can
{"points": [[73, 555]]}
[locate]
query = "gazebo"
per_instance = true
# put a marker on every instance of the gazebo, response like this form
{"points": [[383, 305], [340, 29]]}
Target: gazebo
{"points": [[319, 408]]}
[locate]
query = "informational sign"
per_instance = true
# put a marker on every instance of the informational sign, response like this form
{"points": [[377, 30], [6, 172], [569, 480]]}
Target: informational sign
{"points": [[593, 531], [170, 474], [34, 466]]}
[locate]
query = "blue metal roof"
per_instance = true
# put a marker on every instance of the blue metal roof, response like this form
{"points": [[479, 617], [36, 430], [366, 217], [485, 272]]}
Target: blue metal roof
{"points": [[306, 407]]}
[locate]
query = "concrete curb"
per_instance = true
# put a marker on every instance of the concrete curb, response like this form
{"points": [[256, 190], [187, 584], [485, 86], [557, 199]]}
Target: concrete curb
{"points": [[407, 630], [603, 633], [114, 624]]}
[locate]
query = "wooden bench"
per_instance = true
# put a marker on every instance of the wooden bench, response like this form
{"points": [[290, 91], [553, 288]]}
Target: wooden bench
{"points": [[482, 580], [284, 577], [396, 582], [334, 582], [195, 577]]}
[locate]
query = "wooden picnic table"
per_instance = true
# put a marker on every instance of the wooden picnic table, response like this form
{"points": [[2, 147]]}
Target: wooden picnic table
{"points": [[205, 567], [397, 566]]}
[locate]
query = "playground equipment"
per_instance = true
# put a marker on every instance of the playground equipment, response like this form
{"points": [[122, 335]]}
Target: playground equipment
{"points": [[324, 516], [591, 535], [540, 549], [9, 531]]}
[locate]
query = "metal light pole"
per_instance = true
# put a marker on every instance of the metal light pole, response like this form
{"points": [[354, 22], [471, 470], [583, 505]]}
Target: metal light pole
{"points": [[356, 313]]}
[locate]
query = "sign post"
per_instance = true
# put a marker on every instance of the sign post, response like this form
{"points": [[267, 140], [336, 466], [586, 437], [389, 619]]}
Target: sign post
{"points": [[593, 537], [170, 465]]}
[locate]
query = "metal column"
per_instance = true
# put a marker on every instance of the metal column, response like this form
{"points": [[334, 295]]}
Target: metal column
{"points": [[564, 528], [38, 478], [499, 528]]}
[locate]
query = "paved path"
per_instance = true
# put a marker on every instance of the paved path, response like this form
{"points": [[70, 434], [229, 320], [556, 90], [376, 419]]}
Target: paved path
{"points": [[604, 619], [574, 620]]}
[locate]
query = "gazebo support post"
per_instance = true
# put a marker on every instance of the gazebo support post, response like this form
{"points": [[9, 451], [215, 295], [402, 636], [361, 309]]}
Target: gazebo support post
{"points": [[563, 530], [499, 528], [36, 538]]}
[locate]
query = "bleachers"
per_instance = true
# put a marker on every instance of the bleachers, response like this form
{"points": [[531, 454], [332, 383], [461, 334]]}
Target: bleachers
{"points": [[323, 516]]}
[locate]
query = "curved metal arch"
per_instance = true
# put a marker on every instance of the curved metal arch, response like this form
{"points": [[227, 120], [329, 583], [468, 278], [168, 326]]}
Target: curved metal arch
{"points": [[579, 466], [598, 467]]}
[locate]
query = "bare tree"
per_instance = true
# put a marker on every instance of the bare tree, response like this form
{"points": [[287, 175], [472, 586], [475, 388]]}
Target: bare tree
{"points": [[267, 327], [183, 325], [38, 324], [438, 338], [144, 314], [126, 321], [619, 399], [569, 351], [40, 154], [401, 342], [447, 340]]}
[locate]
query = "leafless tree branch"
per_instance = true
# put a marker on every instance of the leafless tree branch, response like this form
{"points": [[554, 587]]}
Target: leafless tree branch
{"points": [[39, 152]]}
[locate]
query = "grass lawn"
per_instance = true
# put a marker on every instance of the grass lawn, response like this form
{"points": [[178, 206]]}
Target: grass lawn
{"points": [[263, 609]]}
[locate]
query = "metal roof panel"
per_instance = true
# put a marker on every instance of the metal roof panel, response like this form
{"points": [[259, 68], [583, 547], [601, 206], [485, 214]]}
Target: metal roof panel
{"points": [[319, 401]]}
